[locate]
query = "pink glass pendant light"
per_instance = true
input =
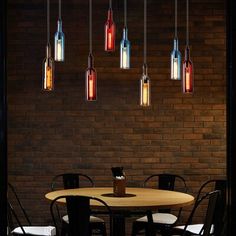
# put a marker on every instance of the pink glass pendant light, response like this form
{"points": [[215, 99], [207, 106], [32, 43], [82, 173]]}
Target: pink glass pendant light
{"points": [[110, 31], [188, 80], [48, 63], [90, 74]]}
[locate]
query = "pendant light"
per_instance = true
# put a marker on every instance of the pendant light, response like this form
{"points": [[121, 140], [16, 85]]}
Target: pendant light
{"points": [[145, 84], [175, 54], [187, 65], [48, 63], [125, 43], [110, 31], [91, 74], [59, 38]]}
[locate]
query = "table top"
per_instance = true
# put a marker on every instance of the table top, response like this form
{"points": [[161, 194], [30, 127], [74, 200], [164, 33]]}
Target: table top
{"points": [[136, 198]]}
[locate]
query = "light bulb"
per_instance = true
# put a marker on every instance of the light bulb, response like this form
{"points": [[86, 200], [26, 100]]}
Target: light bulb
{"points": [[59, 43], [91, 81], [48, 71], [110, 32], [125, 51], [175, 62], [145, 87]]}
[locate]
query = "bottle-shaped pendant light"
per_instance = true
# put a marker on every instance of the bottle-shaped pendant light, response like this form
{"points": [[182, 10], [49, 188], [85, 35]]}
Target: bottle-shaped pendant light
{"points": [[175, 54], [48, 63], [59, 38], [110, 31], [187, 65], [90, 74], [125, 43], [145, 84]]}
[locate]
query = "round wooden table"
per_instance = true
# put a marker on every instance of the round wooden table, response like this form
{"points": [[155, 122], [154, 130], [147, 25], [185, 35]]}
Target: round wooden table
{"points": [[136, 199]]}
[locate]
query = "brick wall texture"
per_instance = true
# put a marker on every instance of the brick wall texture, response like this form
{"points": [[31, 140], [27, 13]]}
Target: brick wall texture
{"points": [[52, 133]]}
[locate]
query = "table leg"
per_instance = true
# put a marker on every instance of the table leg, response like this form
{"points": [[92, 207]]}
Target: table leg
{"points": [[118, 224]]}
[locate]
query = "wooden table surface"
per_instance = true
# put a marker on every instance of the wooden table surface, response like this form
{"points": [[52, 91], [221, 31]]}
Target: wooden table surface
{"points": [[137, 198]]}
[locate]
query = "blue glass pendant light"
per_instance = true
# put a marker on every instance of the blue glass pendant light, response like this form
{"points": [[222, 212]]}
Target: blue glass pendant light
{"points": [[145, 83], [175, 54], [125, 43], [59, 39]]}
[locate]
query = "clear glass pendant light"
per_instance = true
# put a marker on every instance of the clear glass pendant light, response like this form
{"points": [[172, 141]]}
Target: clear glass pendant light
{"points": [[59, 38], [125, 43], [175, 54], [110, 31], [145, 83], [187, 84], [90, 74], [48, 63]]}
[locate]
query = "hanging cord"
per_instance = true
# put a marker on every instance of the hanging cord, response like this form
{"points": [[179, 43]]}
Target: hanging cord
{"points": [[59, 9], [145, 33], [125, 13], [90, 27], [176, 17], [48, 22], [110, 4], [187, 24]]}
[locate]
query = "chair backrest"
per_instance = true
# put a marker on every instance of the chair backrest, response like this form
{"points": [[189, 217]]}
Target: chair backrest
{"points": [[221, 185], [70, 180], [212, 198], [167, 181], [12, 197], [78, 210]]}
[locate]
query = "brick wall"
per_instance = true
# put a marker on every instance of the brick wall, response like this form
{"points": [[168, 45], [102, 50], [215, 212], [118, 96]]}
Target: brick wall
{"points": [[51, 133]]}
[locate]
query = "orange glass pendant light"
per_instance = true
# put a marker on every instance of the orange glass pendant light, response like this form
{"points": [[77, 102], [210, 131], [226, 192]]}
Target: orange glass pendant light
{"points": [[145, 83], [188, 80], [110, 31], [90, 74], [48, 63]]}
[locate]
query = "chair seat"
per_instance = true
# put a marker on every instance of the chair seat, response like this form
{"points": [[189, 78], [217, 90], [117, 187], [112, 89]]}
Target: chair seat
{"points": [[195, 228], [93, 219], [36, 230], [160, 218]]}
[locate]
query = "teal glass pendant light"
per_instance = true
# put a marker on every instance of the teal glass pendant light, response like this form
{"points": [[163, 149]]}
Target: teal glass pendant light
{"points": [[187, 84], [125, 43], [48, 63], [145, 83], [175, 54], [59, 38], [90, 74]]}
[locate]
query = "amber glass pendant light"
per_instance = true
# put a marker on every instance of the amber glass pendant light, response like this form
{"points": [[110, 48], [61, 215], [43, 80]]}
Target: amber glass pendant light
{"points": [[175, 54], [145, 84], [125, 43], [59, 38], [48, 63], [187, 65], [90, 74], [110, 31]]}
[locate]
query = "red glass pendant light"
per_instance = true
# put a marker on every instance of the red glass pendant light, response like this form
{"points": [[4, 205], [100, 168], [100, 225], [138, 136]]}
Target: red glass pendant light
{"points": [[110, 31], [187, 84], [90, 74]]}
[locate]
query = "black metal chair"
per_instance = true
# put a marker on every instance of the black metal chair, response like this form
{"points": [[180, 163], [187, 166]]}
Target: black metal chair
{"points": [[75, 180], [21, 229], [207, 228], [78, 210], [163, 220], [219, 215]]}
